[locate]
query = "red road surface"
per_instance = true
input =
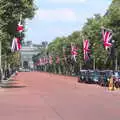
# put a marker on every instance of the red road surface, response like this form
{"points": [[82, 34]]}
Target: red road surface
{"points": [[53, 97]]}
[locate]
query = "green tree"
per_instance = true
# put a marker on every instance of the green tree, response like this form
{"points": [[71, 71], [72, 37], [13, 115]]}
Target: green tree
{"points": [[10, 12]]}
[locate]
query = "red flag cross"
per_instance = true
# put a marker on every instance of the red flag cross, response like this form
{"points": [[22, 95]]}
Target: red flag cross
{"points": [[107, 35], [46, 60], [73, 50], [57, 60], [50, 60], [20, 27], [86, 49], [16, 45], [40, 61]]}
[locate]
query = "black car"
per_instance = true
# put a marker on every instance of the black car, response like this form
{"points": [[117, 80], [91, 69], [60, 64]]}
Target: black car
{"points": [[116, 78], [104, 77], [88, 76], [82, 76], [93, 76]]}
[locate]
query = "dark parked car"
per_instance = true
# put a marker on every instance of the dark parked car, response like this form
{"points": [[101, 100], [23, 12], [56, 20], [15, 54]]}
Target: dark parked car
{"points": [[104, 77], [99, 77], [82, 76], [116, 78], [93, 76], [88, 76]]}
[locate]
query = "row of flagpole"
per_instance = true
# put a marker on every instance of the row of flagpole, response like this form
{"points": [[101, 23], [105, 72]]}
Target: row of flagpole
{"points": [[107, 43]]}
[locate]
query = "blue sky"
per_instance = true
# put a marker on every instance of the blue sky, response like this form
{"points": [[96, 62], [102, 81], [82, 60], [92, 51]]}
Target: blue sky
{"points": [[56, 18]]}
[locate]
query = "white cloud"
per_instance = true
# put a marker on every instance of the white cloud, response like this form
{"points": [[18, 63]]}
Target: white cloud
{"points": [[67, 1], [63, 15]]}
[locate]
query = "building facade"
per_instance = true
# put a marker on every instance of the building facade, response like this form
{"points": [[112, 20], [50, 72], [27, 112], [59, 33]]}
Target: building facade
{"points": [[27, 52]]}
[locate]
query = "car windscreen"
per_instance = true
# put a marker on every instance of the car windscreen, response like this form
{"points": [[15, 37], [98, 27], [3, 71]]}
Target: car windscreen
{"points": [[94, 73], [82, 73]]}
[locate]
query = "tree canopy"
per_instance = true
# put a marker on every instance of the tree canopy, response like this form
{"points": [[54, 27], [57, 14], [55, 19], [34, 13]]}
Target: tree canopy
{"points": [[10, 12], [92, 31]]}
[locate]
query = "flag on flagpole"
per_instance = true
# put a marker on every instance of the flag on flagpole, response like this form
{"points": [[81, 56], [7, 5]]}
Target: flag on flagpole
{"points": [[86, 49], [74, 51], [64, 52], [46, 60], [13, 48], [50, 60], [40, 61], [57, 60], [107, 36], [20, 27], [16, 45]]}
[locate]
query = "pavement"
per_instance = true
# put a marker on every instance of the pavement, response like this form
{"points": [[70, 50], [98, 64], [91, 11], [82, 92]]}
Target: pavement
{"points": [[44, 96]]}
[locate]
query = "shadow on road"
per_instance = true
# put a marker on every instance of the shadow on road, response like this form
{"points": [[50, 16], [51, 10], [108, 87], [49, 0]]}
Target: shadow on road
{"points": [[11, 86]]}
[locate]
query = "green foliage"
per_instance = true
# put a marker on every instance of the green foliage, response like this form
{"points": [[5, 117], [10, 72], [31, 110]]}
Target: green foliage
{"points": [[92, 31], [10, 12]]}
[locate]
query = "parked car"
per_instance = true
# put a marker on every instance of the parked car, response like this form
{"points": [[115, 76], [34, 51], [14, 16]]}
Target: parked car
{"points": [[116, 77], [93, 76], [88, 76], [99, 77], [104, 77], [82, 76], [21, 70], [27, 70]]}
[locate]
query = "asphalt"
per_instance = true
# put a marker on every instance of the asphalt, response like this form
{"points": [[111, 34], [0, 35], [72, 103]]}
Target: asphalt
{"points": [[44, 96]]}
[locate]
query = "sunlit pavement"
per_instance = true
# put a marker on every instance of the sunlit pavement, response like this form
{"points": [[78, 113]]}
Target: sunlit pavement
{"points": [[44, 96]]}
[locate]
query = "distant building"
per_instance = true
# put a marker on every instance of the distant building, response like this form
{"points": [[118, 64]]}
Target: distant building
{"points": [[27, 52]]}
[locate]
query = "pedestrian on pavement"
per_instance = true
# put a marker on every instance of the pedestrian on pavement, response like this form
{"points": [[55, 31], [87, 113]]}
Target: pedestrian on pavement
{"points": [[111, 83]]}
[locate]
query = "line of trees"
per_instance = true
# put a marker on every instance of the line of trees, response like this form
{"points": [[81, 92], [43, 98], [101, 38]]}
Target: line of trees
{"points": [[92, 31], [10, 12]]}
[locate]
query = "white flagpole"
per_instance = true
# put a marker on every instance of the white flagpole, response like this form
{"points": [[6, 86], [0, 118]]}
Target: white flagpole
{"points": [[20, 19]]}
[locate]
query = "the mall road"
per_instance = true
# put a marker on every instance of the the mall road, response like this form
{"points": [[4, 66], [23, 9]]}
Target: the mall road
{"points": [[44, 96]]}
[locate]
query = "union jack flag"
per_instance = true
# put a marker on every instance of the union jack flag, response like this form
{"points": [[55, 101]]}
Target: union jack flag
{"points": [[57, 60], [86, 49], [37, 63], [107, 35], [16, 45], [40, 61], [46, 60], [74, 52], [50, 60], [20, 27]]}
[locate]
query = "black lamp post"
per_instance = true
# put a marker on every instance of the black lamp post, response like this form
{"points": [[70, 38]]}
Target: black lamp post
{"points": [[113, 55]]}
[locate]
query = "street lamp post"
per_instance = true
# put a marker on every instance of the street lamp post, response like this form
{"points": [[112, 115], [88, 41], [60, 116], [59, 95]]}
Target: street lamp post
{"points": [[114, 55]]}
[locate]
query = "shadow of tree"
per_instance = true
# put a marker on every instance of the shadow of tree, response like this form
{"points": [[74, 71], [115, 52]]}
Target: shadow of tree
{"points": [[11, 86]]}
